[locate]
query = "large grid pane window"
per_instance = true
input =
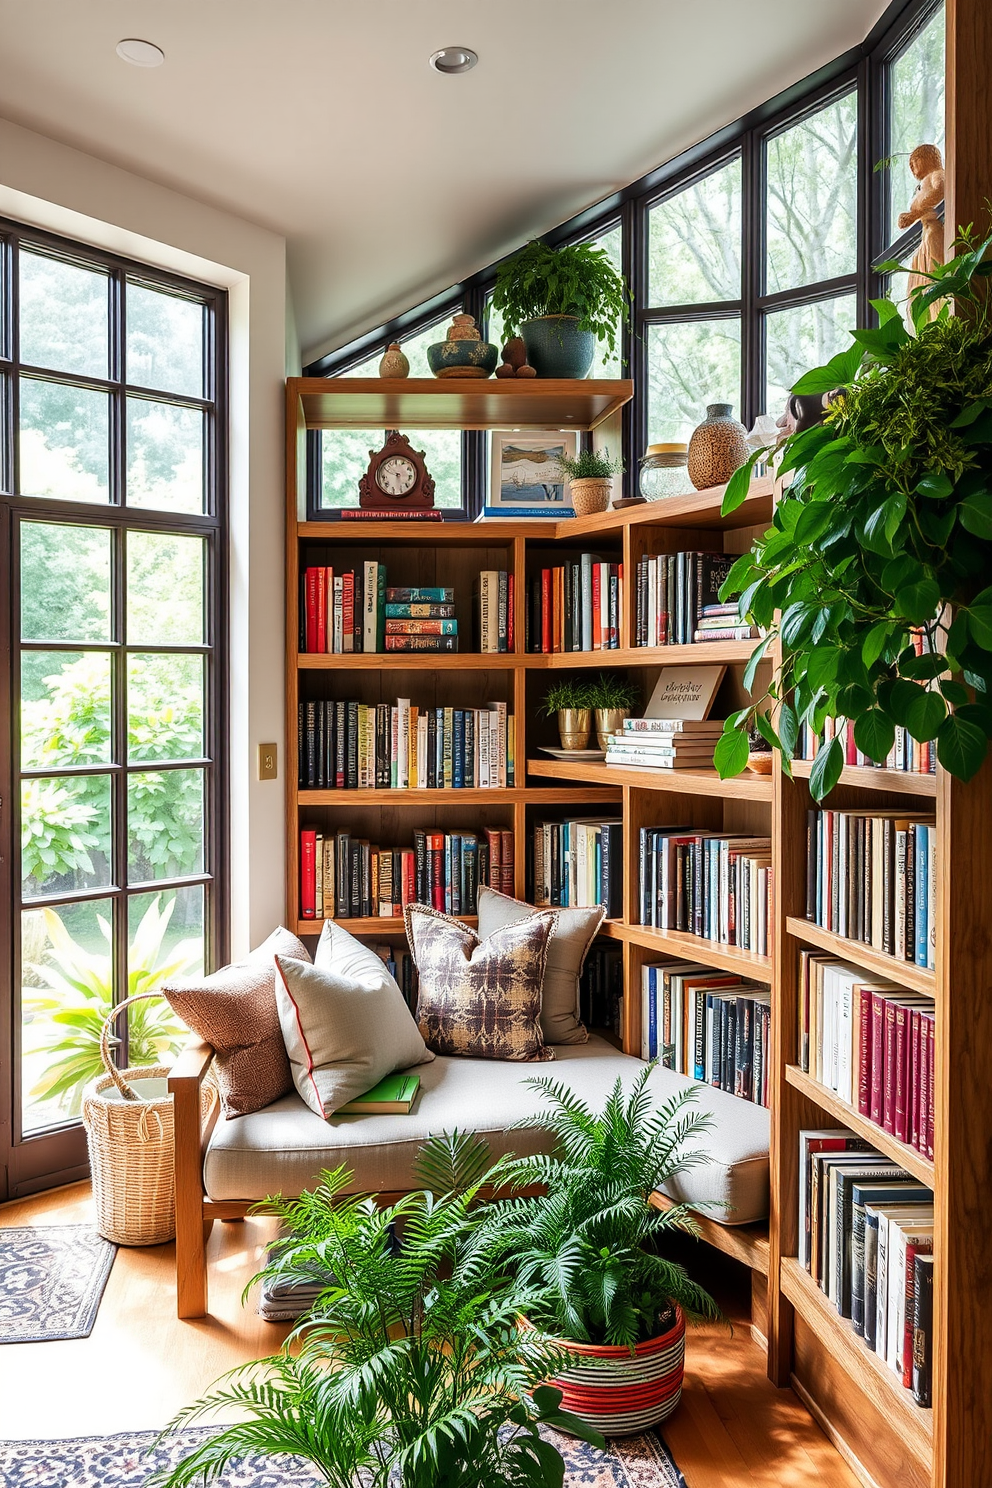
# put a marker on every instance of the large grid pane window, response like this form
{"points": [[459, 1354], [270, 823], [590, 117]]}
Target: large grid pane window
{"points": [[113, 517], [915, 113]]}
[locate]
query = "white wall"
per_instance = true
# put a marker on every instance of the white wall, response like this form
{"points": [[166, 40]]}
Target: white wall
{"points": [[49, 185]]}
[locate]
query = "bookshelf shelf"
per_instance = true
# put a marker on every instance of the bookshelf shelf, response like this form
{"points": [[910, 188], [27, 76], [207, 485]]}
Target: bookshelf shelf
{"points": [[692, 782], [866, 777], [458, 403], [904, 973], [730, 652], [867, 1371], [370, 926], [914, 1162], [692, 948], [530, 795], [746, 1243], [407, 661]]}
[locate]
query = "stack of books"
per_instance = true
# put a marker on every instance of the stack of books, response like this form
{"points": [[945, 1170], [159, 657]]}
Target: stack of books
{"points": [[872, 1042], [722, 622], [709, 884], [601, 988], [873, 877], [665, 743], [421, 619], [678, 600], [493, 595], [907, 754], [350, 878], [351, 611], [354, 746], [866, 1238], [579, 863], [710, 1025], [575, 607]]}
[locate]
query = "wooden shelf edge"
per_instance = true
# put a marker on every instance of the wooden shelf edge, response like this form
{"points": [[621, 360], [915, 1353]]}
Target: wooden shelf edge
{"points": [[697, 654], [914, 1162], [876, 1380], [691, 782], [455, 403], [746, 1243], [388, 661], [867, 777], [367, 926], [903, 973], [692, 948], [452, 796]]}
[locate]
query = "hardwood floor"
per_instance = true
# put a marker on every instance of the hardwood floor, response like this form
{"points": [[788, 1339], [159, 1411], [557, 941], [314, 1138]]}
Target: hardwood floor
{"points": [[140, 1364]]}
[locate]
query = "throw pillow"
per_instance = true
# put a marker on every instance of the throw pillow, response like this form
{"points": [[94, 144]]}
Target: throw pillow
{"points": [[234, 1010], [480, 998], [567, 949], [344, 1022]]}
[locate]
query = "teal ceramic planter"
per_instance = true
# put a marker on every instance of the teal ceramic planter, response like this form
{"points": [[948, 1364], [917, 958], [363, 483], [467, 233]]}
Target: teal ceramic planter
{"points": [[462, 358], [557, 348]]}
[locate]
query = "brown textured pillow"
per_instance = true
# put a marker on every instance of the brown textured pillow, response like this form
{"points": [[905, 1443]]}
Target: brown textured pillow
{"points": [[480, 998], [235, 1011]]}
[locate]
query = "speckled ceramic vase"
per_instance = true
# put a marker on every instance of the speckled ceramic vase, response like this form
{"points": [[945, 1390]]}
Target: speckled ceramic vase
{"points": [[717, 448], [557, 348]]}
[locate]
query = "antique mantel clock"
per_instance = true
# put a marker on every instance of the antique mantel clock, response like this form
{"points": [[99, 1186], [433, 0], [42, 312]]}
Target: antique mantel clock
{"points": [[397, 478]]}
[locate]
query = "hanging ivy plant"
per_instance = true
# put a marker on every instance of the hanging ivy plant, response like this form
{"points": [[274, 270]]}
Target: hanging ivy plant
{"points": [[878, 562]]}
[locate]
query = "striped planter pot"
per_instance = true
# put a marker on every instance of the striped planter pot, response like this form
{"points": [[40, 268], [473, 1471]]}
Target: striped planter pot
{"points": [[622, 1394]]}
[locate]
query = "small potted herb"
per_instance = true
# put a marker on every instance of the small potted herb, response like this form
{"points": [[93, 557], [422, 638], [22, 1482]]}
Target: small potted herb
{"points": [[562, 301], [612, 696], [568, 699], [590, 477]]}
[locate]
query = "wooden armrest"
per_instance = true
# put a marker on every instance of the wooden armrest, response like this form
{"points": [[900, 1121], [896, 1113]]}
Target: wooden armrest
{"points": [[191, 1066]]}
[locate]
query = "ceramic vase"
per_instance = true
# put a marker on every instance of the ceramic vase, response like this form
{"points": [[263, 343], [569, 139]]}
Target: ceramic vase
{"points": [[590, 494], [557, 348], [574, 727], [717, 448], [609, 721], [394, 362]]}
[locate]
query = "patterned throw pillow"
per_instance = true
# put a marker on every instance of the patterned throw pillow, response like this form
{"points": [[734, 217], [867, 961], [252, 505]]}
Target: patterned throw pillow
{"points": [[234, 1010], [574, 934], [480, 998]]}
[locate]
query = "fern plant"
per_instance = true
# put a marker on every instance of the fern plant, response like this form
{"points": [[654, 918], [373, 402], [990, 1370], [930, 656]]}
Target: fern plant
{"points": [[410, 1368], [577, 279], [586, 1249]]}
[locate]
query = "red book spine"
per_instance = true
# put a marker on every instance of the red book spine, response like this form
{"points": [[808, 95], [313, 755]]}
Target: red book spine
{"points": [[509, 612], [348, 612], [495, 840], [308, 873], [506, 861], [900, 1119], [435, 860], [311, 595], [877, 1057], [889, 1070], [545, 609], [925, 1247], [915, 1044], [864, 1055], [597, 611], [557, 608], [409, 878], [931, 1036], [616, 588], [398, 900], [323, 589]]}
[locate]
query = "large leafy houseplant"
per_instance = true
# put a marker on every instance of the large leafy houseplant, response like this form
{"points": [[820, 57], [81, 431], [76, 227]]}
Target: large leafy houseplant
{"points": [[410, 1368], [879, 556], [577, 279]]}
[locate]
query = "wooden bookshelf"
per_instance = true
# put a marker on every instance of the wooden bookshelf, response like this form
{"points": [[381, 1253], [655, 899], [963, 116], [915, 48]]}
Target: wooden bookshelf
{"points": [[868, 777], [904, 973], [828, 1100]]}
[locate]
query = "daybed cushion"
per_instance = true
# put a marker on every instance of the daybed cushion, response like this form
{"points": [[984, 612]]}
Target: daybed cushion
{"points": [[283, 1148]]}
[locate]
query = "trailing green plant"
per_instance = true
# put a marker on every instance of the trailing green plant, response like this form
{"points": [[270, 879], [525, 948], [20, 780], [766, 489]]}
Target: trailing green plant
{"points": [[587, 1246], [577, 279], [590, 465], [612, 690], [879, 556], [566, 692], [410, 1369]]}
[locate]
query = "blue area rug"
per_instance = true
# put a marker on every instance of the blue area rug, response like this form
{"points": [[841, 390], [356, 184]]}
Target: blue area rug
{"points": [[129, 1461], [51, 1281]]}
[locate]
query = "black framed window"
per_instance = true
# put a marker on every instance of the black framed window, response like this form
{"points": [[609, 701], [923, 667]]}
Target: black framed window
{"points": [[113, 523]]}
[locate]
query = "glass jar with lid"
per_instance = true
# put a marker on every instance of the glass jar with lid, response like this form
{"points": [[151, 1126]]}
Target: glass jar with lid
{"points": [[664, 471]]}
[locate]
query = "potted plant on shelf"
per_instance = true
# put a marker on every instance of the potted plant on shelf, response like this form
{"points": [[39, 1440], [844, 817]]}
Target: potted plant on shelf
{"points": [[568, 701], [586, 1248], [409, 1370], [612, 696], [562, 301], [879, 556], [590, 476]]}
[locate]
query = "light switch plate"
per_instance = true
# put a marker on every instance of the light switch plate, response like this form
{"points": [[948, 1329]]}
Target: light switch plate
{"points": [[268, 761]]}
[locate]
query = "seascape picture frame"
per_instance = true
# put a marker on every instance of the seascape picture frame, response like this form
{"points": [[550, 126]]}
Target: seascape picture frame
{"points": [[517, 463]]}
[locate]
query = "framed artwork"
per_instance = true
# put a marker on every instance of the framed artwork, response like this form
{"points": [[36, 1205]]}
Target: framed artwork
{"points": [[525, 478]]}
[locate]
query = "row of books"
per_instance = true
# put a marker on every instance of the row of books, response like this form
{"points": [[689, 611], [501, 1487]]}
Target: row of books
{"points": [[711, 1025], [710, 884], [907, 754], [403, 970], [873, 877], [866, 1238], [665, 743], [872, 1042], [349, 878], [601, 988], [575, 607], [493, 597], [398, 746], [356, 611], [579, 863], [677, 600]]}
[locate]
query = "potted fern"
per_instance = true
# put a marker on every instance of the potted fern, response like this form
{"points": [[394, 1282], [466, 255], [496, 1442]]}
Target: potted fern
{"points": [[612, 696], [568, 700], [587, 1251], [590, 479], [562, 301]]}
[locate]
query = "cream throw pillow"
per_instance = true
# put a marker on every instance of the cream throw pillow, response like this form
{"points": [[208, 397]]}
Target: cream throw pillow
{"points": [[344, 1022], [567, 949]]}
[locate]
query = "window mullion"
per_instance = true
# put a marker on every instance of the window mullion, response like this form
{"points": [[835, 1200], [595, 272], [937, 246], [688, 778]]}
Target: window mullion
{"points": [[119, 783]]}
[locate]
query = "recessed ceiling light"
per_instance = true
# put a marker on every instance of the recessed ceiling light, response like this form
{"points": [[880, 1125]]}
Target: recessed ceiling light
{"points": [[140, 53], [451, 60]]}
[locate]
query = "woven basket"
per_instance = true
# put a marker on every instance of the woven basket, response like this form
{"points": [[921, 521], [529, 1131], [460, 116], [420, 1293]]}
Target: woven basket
{"points": [[131, 1139]]}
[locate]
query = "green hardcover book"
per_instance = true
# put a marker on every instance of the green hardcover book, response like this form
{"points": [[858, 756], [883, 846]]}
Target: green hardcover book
{"points": [[393, 1096]]}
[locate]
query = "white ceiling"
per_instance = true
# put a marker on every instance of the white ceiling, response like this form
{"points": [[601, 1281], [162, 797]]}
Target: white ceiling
{"points": [[321, 120]]}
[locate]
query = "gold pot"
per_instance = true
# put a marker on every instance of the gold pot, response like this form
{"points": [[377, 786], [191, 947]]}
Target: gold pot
{"points": [[574, 727], [609, 721]]}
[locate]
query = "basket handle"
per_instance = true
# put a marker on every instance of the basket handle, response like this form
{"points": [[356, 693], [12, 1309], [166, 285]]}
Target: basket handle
{"points": [[126, 1092]]}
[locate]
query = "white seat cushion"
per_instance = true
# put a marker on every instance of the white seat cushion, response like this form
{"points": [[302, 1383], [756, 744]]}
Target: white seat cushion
{"points": [[284, 1148]]}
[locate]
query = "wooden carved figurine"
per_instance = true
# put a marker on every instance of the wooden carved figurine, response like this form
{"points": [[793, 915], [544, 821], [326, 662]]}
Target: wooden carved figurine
{"points": [[514, 363], [928, 168]]}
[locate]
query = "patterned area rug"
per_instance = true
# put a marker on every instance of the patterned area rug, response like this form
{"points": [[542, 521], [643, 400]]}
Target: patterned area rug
{"points": [[51, 1281], [129, 1461]]}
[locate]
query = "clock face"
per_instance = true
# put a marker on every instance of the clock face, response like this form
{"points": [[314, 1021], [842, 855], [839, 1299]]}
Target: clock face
{"points": [[396, 476]]}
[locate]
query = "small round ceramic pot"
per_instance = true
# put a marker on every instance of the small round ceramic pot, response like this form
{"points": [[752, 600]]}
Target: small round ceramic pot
{"points": [[574, 727]]}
